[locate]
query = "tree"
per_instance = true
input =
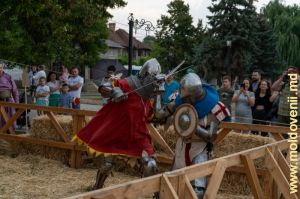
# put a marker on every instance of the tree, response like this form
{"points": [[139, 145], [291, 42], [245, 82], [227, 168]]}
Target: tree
{"points": [[267, 57], [175, 36], [285, 21], [234, 20], [68, 31]]}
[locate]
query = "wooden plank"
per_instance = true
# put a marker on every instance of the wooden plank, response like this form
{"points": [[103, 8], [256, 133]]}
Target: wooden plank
{"points": [[43, 142], [57, 126], [189, 191], [166, 189], [78, 163], [275, 191], [284, 166], [241, 169], [80, 123], [215, 180], [155, 135], [277, 137], [255, 127], [12, 120], [277, 174], [151, 184], [72, 160], [6, 119], [252, 177], [48, 108], [221, 135], [75, 121], [136, 188]]}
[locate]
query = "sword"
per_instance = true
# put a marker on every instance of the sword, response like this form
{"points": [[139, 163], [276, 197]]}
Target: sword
{"points": [[175, 69]]}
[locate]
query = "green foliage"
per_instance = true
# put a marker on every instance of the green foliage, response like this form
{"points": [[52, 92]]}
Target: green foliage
{"points": [[285, 21], [251, 35], [176, 35], [68, 31]]}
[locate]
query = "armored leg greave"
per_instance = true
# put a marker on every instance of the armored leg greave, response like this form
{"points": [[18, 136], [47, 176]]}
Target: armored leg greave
{"points": [[103, 172]]}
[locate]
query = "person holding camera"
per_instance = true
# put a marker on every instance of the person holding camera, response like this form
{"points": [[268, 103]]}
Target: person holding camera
{"points": [[244, 100], [283, 85]]}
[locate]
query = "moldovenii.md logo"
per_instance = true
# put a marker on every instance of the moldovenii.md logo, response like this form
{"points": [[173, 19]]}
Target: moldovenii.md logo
{"points": [[293, 100]]}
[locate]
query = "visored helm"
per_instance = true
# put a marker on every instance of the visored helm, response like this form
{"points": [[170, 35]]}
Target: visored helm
{"points": [[190, 85], [151, 67]]}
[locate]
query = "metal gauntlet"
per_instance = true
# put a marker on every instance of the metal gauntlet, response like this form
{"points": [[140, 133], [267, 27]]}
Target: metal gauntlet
{"points": [[208, 135]]}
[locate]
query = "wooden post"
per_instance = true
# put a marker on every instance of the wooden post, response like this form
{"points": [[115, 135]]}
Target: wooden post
{"points": [[221, 135], [279, 178], [57, 126], [215, 180], [6, 119], [166, 189], [252, 176], [159, 139]]}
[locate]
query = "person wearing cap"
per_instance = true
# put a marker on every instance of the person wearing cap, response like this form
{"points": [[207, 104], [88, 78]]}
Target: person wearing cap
{"points": [[283, 85]]}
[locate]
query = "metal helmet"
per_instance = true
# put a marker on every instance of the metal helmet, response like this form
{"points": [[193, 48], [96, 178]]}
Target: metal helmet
{"points": [[151, 67], [190, 85]]}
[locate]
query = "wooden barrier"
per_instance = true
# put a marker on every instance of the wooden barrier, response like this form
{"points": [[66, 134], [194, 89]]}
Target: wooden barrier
{"points": [[176, 184], [79, 121], [79, 118]]}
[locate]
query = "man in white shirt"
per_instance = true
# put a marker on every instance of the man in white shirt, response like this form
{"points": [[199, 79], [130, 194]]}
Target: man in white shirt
{"points": [[40, 73], [75, 83]]}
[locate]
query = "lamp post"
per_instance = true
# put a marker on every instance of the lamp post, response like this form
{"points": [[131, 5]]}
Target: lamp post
{"points": [[226, 63], [137, 24]]}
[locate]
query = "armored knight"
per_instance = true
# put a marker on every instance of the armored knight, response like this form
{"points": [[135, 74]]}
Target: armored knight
{"points": [[119, 128], [197, 112]]}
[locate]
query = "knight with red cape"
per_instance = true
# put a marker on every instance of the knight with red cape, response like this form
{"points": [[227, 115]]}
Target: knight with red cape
{"points": [[119, 128]]}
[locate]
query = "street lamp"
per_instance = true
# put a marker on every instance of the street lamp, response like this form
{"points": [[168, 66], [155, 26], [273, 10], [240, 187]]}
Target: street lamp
{"points": [[137, 24], [226, 63]]}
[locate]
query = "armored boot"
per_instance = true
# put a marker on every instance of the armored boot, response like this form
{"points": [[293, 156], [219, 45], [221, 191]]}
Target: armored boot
{"points": [[102, 174]]}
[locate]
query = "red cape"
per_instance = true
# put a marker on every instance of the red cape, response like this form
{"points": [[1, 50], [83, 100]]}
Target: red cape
{"points": [[119, 128]]}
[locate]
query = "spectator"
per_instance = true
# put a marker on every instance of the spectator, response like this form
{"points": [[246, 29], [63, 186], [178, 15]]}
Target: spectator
{"points": [[75, 83], [32, 82], [40, 73], [226, 92], [263, 104], [110, 72], [54, 86], [255, 79], [42, 93], [8, 92], [244, 100], [65, 75], [283, 85], [65, 99], [171, 90]]}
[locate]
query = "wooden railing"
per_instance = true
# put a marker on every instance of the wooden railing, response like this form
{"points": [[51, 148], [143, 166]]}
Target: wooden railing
{"points": [[79, 120], [176, 184]]}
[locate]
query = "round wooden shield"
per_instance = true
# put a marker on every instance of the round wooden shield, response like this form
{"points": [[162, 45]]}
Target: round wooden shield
{"points": [[185, 120]]}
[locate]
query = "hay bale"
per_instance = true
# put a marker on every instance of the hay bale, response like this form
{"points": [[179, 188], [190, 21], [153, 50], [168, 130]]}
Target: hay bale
{"points": [[42, 128], [8, 148]]}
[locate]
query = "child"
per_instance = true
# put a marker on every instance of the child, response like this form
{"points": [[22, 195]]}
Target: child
{"points": [[42, 93], [65, 99]]}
